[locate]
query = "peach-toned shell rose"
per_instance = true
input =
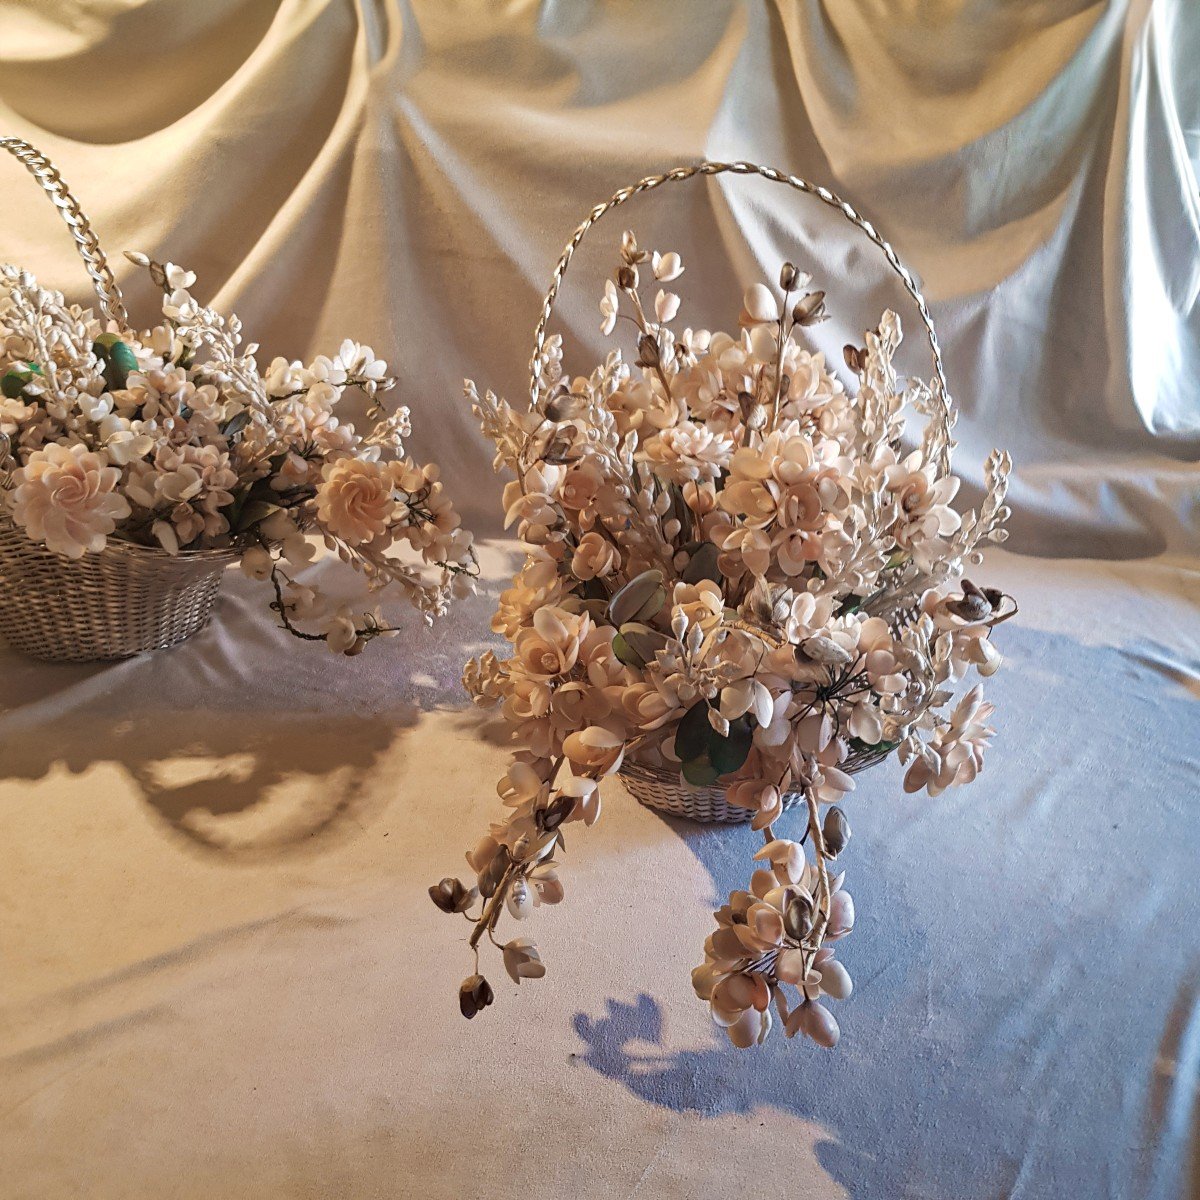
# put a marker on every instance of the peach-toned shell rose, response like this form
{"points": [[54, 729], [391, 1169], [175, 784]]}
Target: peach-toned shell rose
{"points": [[65, 498], [646, 708], [594, 557], [594, 751], [551, 646], [355, 499]]}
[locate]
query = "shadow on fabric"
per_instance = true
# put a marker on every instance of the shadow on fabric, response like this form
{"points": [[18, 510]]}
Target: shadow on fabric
{"points": [[1003, 1020]]}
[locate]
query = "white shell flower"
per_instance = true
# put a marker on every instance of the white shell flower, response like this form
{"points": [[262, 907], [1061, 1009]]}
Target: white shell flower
{"points": [[666, 306], [609, 306], [667, 267], [758, 306]]}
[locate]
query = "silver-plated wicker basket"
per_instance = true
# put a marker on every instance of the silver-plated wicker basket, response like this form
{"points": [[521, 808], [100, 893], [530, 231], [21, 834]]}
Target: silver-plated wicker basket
{"points": [[127, 598], [660, 787]]}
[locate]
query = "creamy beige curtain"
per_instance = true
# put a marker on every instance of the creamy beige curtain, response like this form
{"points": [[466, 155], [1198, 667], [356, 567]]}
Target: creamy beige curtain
{"points": [[407, 172]]}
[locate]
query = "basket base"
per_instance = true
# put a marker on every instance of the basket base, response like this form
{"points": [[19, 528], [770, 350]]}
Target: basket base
{"points": [[41, 646], [665, 792], [123, 601]]}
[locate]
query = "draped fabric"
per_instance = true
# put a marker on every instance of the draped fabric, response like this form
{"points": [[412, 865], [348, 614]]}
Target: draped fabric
{"points": [[406, 173], [219, 971]]}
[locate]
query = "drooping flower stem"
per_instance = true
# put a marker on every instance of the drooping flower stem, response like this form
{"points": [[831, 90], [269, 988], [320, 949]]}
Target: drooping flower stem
{"points": [[824, 896]]}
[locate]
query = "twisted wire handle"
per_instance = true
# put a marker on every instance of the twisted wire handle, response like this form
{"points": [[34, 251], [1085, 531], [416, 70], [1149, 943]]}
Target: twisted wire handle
{"points": [[96, 264], [737, 168]]}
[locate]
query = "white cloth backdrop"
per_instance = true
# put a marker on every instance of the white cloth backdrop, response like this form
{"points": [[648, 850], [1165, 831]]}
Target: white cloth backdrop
{"points": [[219, 973]]}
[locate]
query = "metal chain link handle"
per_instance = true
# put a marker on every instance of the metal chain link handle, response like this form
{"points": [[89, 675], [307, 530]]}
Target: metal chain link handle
{"points": [[51, 181], [737, 168]]}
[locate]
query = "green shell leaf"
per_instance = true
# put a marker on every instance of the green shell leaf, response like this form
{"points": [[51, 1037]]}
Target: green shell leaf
{"points": [[703, 565], [870, 747], [699, 772], [691, 737], [117, 358], [727, 754], [15, 379]]}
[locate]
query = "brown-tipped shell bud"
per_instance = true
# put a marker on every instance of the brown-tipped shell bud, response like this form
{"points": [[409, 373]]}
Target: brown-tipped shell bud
{"points": [[474, 995], [973, 606], [798, 918], [788, 276], [489, 879], [856, 359], [835, 832], [648, 353], [627, 277], [451, 895], [810, 310], [555, 813]]}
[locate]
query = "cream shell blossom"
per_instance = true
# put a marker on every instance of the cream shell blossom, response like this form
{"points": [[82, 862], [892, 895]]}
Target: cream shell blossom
{"points": [[356, 499], [687, 453], [66, 499]]}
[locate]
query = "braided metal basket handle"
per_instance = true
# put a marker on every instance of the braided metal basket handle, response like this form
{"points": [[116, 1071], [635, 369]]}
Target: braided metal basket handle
{"points": [[737, 168], [94, 261]]}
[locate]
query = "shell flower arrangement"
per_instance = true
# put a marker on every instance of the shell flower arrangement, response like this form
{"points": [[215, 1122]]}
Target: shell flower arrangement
{"points": [[175, 438], [739, 589]]}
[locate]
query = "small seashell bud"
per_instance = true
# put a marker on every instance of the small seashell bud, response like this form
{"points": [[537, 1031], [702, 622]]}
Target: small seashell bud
{"points": [[648, 353], [835, 979], [474, 995], [825, 651], [451, 895], [788, 276], [756, 418], [856, 359], [818, 1023], [810, 310], [798, 917], [627, 278], [555, 813], [759, 306], [490, 876], [835, 831]]}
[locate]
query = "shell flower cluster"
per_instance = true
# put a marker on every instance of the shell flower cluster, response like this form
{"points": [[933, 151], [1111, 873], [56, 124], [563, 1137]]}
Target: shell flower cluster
{"points": [[176, 438], [740, 572]]}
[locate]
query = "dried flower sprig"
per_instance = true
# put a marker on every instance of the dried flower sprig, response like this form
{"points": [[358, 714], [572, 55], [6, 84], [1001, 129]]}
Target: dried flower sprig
{"points": [[175, 437], [732, 569]]}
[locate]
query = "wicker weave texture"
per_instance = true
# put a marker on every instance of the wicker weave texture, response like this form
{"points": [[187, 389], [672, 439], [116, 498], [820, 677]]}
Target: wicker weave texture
{"points": [[110, 605], [663, 789]]}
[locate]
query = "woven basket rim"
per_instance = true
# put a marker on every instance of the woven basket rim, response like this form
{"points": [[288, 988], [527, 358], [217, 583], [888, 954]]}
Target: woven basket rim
{"points": [[119, 546], [668, 773]]}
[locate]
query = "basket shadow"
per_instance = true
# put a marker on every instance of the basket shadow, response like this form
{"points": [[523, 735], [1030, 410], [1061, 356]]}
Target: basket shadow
{"points": [[239, 740], [239, 787]]}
